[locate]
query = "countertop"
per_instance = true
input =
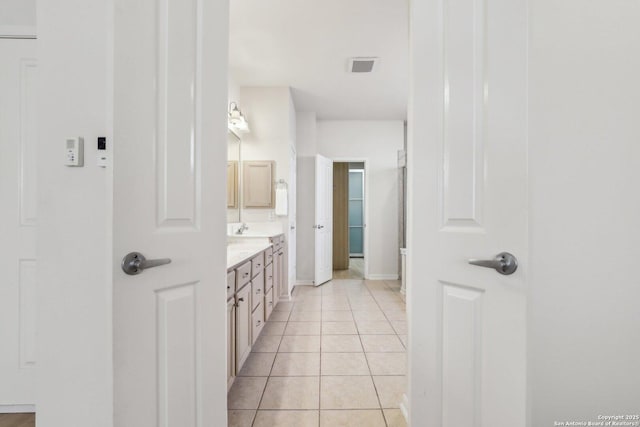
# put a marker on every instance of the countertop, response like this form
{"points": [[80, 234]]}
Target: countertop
{"points": [[254, 235], [238, 253]]}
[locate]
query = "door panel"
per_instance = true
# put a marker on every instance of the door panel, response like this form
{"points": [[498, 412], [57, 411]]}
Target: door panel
{"points": [[18, 216], [176, 326], [169, 188], [324, 220], [469, 200]]}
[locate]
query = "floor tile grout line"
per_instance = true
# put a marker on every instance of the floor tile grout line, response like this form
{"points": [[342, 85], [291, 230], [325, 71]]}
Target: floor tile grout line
{"points": [[266, 383], [320, 367], [372, 381], [368, 293]]}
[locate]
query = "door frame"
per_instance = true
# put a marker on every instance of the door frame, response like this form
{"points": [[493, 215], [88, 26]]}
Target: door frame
{"points": [[365, 248]]}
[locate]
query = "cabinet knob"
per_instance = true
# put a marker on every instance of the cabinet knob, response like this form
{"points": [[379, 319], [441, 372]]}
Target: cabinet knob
{"points": [[241, 299]]}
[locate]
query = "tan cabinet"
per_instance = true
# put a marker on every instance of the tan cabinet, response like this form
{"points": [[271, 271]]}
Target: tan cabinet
{"points": [[258, 322], [268, 304], [257, 265], [257, 286], [268, 256], [231, 342], [258, 180], [283, 279], [268, 277], [243, 275], [231, 283], [252, 293], [243, 325]]}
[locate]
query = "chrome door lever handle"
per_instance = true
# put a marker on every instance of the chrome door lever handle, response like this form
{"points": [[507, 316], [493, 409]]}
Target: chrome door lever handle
{"points": [[135, 263], [503, 263]]}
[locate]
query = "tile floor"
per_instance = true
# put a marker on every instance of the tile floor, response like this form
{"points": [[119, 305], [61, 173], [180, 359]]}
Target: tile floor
{"points": [[333, 356], [355, 271]]}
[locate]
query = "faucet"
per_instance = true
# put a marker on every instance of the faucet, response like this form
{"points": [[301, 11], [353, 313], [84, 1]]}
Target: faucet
{"points": [[242, 228]]}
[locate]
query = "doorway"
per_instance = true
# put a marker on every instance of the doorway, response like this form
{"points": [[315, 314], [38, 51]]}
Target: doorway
{"points": [[349, 220]]}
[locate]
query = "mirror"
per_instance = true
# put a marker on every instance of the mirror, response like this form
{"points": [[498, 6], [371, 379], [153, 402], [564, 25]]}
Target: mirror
{"points": [[233, 177]]}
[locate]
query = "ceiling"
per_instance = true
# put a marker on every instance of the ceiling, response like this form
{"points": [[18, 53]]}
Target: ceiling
{"points": [[306, 44]]}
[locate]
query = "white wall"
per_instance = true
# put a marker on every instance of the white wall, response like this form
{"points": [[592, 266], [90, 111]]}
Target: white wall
{"points": [[269, 111], [233, 90], [74, 381], [378, 142], [584, 335], [272, 120]]}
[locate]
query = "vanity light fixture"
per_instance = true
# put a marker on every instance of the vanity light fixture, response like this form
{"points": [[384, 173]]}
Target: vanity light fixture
{"points": [[237, 122]]}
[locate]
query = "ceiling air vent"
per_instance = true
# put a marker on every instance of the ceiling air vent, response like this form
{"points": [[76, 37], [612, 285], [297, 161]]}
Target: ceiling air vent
{"points": [[362, 65]]}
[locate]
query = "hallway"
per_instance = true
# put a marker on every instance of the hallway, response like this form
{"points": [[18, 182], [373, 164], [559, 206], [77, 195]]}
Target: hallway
{"points": [[333, 356], [355, 271]]}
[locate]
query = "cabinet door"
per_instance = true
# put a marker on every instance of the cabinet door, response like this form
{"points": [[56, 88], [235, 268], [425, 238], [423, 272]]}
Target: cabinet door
{"points": [[257, 265], [231, 283], [243, 326], [258, 184], [257, 319], [283, 289], [268, 304], [257, 285], [276, 277], [231, 342], [268, 277]]}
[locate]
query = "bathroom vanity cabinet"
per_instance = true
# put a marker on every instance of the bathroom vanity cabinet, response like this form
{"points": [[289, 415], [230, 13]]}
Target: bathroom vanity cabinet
{"points": [[254, 286]]}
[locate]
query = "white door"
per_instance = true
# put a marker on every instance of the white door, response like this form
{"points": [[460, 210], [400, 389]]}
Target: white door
{"points": [[291, 244], [324, 220], [18, 212], [169, 202], [468, 199]]}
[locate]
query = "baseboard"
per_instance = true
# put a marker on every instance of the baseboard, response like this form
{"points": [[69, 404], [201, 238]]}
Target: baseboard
{"points": [[404, 407], [16, 409], [304, 282], [382, 277]]}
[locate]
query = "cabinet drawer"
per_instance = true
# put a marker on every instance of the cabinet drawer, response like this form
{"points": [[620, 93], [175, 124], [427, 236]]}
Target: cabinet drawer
{"points": [[243, 275], [268, 277], [257, 323], [257, 290], [257, 265], [231, 283], [268, 304], [268, 255]]}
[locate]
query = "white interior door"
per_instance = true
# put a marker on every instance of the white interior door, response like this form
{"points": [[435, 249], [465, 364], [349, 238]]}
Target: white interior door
{"points": [[18, 212], [468, 199], [169, 202], [324, 220]]}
